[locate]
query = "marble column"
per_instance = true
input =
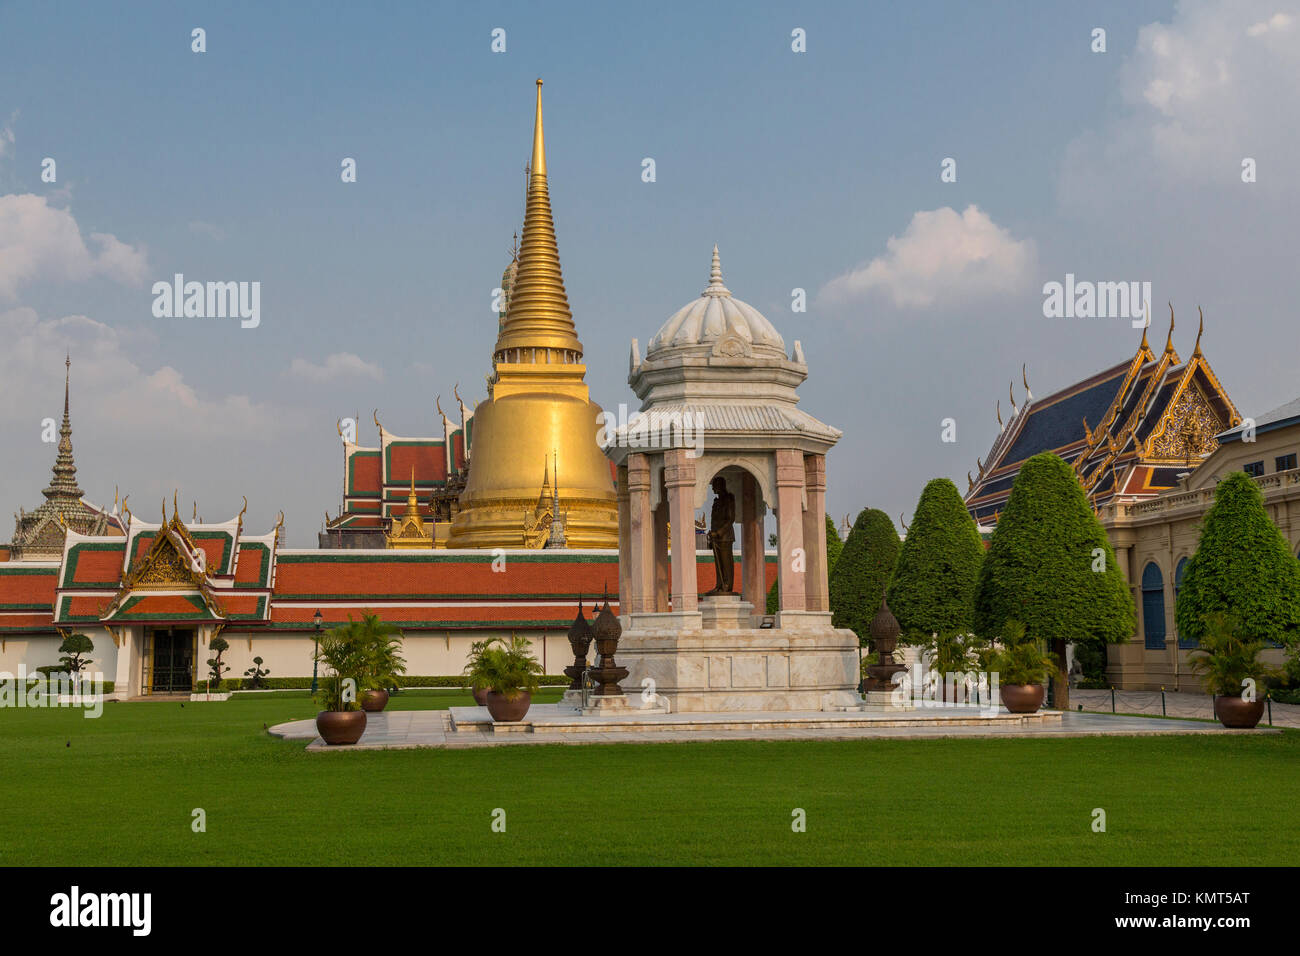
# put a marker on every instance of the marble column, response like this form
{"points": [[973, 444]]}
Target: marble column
{"points": [[752, 556], [789, 517], [662, 573], [679, 479], [816, 585], [641, 534], [624, 543]]}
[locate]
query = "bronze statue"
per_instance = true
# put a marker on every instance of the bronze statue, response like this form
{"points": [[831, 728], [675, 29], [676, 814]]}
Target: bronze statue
{"points": [[722, 535]]}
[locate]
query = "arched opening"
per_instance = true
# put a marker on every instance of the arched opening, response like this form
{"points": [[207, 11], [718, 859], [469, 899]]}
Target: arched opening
{"points": [[743, 502], [1153, 607]]}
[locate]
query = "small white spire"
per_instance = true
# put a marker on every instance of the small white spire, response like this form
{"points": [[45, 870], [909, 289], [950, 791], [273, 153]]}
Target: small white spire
{"points": [[716, 288]]}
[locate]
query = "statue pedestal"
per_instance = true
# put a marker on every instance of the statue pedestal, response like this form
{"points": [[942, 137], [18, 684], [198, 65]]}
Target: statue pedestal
{"points": [[725, 611], [882, 701], [728, 669]]}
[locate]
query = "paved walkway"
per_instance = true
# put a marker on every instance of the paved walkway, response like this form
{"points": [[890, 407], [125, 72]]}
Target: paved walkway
{"points": [[1176, 705], [398, 730]]}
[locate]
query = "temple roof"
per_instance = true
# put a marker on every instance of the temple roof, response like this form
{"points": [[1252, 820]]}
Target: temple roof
{"points": [[1129, 430]]}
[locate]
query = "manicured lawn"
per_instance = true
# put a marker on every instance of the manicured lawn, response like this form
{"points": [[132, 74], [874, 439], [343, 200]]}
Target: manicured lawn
{"points": [[123, 793]]}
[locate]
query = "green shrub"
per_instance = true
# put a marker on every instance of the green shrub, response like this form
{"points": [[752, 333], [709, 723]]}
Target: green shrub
{"points": [[1242, 567], [864, 568], [1039, 568], [933, 587], [1225, 659]]}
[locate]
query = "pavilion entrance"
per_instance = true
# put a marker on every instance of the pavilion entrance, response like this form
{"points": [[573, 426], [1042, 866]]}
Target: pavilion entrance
{"points": [[169, 654]]}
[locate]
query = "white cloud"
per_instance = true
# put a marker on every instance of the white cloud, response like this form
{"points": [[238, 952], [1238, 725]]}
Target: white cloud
{"points": [[114, 392], [38, 241], [336, 366], [942, 258], [1213, 86]]}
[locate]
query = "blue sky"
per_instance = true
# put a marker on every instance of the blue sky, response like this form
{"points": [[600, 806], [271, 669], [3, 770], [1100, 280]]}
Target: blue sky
{"points": [[1123, 165]]}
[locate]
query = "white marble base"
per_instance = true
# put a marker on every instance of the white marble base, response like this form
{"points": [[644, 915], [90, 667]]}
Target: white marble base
{"points": [[811, 667], [725, 611], [882, 702]]}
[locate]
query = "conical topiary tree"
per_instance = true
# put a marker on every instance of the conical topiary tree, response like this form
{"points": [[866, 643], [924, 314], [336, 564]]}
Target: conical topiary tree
{"points": [[833, 548], [1243, 567], [933, 588], [862, 571], [1050, 567]]}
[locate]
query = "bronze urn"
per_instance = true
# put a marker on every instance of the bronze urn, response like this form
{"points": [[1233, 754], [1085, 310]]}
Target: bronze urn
{"points": [[607, 631], [884, 631], [580, 637]]}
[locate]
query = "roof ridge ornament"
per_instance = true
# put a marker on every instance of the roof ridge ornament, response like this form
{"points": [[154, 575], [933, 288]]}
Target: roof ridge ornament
{"points": [[1196, 353], [716, 287], [1169, 341]]}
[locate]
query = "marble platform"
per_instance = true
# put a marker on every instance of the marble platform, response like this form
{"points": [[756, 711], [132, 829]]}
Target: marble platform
{"points": [[414, 729]]}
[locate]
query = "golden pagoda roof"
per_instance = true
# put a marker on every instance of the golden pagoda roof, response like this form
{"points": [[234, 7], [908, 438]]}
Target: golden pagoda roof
{"points": [[537, 311]]}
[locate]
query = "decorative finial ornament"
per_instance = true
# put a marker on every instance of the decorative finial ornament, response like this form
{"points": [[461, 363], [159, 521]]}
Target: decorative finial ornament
{"points": [[537, 308], [1011, 393], [1200, 330], [970, 482], [715, 287], [1169, 341], [1024, 377], [999, 411]]}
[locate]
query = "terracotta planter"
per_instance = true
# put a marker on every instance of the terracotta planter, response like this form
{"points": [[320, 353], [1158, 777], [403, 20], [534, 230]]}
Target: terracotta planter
{"points": [[508, 710], [373, 701], [480, 696], [1238, 713], [341, 726], [1022, 698]]}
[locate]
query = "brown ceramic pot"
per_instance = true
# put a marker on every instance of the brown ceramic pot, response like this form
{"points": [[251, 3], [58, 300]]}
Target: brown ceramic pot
{"points": [[1238, 713], [508, 710], [480, 696], [373, 701], [341, 726], [1022, 698]]}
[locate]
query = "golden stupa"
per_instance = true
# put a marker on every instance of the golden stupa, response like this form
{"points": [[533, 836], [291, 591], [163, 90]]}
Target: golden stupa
{"points": [[538, 411]]}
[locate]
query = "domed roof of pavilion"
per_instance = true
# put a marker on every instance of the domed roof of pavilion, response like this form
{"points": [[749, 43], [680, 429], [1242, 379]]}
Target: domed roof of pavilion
{"points": [[718, 321]]}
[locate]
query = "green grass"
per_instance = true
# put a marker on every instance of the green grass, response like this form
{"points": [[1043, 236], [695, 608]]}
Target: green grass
{"points": [[123, 793]]}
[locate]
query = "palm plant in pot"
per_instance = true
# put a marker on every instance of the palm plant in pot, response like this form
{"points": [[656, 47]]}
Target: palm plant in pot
{"points": [[1023, 669], [383, 661], [342, 721], [1230, 669], [509, 672], [476, 685]]}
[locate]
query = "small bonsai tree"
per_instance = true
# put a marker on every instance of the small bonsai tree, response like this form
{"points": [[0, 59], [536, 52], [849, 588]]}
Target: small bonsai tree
{"points": [[253, 677], [1227, 663], [344, 657], [505, 668], [217, 668], [1242, 567], [933, 587], [73, 648], [862, 571]]}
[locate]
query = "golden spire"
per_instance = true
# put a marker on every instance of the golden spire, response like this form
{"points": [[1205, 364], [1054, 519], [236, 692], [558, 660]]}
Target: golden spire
{"points": [[412, 503], [1169, 342], [1197, 351], [537, 310]]}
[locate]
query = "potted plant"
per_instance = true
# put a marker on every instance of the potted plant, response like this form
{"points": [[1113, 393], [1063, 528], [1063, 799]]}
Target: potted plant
{"points": [[1023, 669], [342, 721], [951, 653], [383, 662], [509, 672], [476, 686], [1228, 664]]}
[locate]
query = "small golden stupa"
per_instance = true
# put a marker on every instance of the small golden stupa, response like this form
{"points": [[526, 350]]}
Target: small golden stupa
{"points": [[538, 410]]}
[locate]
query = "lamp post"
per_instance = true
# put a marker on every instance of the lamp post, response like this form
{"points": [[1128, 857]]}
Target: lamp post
{"points": [[315, 657]]}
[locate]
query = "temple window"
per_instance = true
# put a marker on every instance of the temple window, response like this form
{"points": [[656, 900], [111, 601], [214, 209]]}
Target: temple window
{"points": [[1153, 607]]}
